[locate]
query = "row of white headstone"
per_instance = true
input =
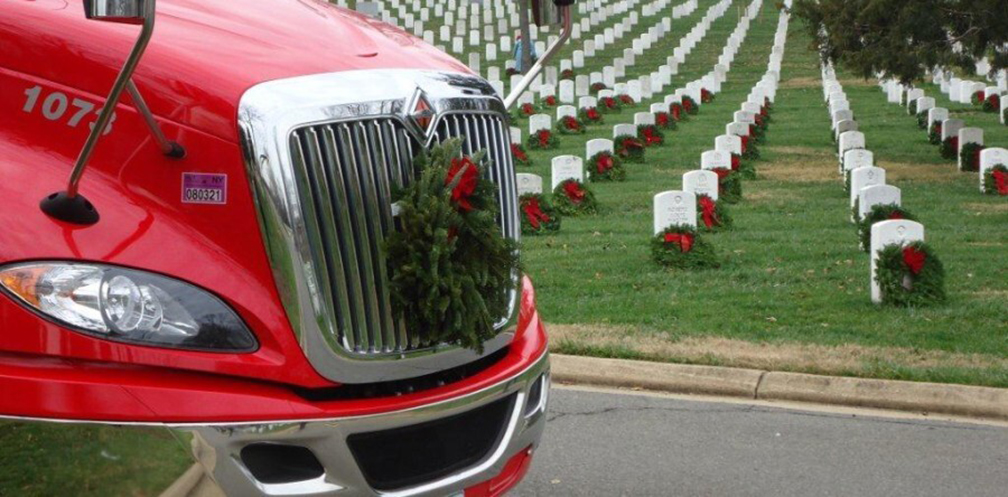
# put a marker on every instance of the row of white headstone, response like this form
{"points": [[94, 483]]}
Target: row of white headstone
{"points": [[989, 157], [868, 186], [678, 207]]}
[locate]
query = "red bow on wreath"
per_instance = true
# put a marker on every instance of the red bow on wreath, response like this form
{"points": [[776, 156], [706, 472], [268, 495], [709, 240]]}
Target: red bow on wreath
{"points": [[551, 100], [609, 102], [650, 138], [592, 114], [759, 119], [895, 215], [630, 144], [683, 240], [705, 95], [914, 259], [1000, 181], [534, 213], [745, 143], [543, 136], [528, 109], [980, 96], [752, 130], [954, 142], [626, 99], [763, 111], [571, 124], [707, 207], [994, 101], [574, 192], [466, 184], [676, 110], [518, 153], [976, 158], [937, 129], [661, 119], [736, 161], [688, 105], [604, 163]]}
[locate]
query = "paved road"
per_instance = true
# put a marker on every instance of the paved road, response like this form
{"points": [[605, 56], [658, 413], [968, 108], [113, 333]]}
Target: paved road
{"points": [[608, 444]]}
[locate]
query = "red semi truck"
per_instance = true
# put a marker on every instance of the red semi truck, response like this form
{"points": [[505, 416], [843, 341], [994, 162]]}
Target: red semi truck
{"points": [[198, 249]]}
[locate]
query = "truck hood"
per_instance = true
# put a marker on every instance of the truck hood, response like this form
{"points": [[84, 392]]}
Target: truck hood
{"points": [[205, 53]]}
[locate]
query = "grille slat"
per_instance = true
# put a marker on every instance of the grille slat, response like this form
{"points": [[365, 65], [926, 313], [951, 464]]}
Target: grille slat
{"points": [[347, 173]]}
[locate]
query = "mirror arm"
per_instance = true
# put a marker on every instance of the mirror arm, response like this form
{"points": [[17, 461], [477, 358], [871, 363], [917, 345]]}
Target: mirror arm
{"points": [[566, 22], [121, 82], [170, 148]]}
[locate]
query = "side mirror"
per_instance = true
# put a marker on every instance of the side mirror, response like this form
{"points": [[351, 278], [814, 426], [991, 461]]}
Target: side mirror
{"points": [[120, 11]]}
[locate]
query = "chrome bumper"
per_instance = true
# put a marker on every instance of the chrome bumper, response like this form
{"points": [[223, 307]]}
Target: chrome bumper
{"points": [[217, 447]]}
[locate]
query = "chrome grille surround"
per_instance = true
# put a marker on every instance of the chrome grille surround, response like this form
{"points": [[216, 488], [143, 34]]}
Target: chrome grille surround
{"points": [[323, 154]]}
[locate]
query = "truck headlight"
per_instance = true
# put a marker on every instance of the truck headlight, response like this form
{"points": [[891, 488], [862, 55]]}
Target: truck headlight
{"points": [[128, 305]]}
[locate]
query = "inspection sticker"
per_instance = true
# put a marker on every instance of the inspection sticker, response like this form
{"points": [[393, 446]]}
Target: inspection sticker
{"points": [[204, 188]]}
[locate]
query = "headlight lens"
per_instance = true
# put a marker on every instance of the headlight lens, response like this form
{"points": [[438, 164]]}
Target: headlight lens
{"points": [[129, 305]]}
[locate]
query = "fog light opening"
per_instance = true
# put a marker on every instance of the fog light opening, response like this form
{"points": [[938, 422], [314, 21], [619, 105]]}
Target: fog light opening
{"points": [[274, 464], [537, 395]]}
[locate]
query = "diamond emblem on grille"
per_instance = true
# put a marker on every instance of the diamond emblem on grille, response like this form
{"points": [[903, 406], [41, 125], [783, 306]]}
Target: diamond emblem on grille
{"points": [[421, 113]]}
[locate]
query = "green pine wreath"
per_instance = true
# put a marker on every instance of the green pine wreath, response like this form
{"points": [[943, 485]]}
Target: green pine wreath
{"points": [[910, 276], [538, 215], [751, 150], [993, 103], [573, 198], [626, 100], [451, 269], [912, 108], [650, 135], [712, 215], [677, 112], [570, 125], [597, 87], [604, 166], [934, 135], [609, 105], [880, 212], [970, 156], [629, 148], [950, 148], [520, 155], [922, 120], [729, 186], [1004, 117], [706, 96], [978, 98], [690, 105], [682, 247], [543, 139], [591, 115], [745, 169], [995, 180], [664, 121], [524, 110]]}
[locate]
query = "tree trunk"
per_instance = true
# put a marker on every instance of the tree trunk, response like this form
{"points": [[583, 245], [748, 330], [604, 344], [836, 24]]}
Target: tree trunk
{"points": [[526, 36]]}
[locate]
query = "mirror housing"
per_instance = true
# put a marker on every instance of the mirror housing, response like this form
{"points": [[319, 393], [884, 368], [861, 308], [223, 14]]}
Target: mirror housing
{"points": [[118, 11]]}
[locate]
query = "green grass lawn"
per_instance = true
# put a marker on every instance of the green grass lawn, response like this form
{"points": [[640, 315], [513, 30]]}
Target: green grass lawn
{"points": [[793, 274]]}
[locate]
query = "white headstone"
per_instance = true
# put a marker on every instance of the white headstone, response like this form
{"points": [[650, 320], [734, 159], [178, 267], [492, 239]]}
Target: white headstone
{"points": [[967, 136], [701, 182], [587, 102], [529, 183], [729, 143], [884, 233], [597, 145], [516, 136], [566, 111], [672, 208], [865, 176], [624, 129], [937, 115], [715, 159], [873, 195], [951, 127], [565, 167], [538, 122], [858, 157], [643, 118], [989, 158], [851, 140], [567, 91]]}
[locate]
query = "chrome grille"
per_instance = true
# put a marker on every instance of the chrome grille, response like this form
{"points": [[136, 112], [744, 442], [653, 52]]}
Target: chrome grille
{"points": [[346, 172]]}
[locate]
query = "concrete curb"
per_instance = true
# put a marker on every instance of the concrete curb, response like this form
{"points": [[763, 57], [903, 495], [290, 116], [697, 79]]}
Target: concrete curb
{"points": [[185, 484], [959, 400]]}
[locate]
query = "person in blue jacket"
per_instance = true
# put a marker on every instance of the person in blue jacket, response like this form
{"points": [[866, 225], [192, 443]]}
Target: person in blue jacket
{"points": [[518, 53]]}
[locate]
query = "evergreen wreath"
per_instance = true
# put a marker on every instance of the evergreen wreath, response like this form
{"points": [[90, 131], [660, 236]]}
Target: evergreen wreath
{"points": [[993, 103], [567, 74], [879, 212], [1004, 116], [950, 148], [570, 125], [542, 140], [922, 120], [609, 105], [912, 108], [627, 100], [729, 186], [664, 121], [573, 198], [525, 110], [629, 148], [712, 215], [706, 96], [451, 270], [597, 87], [550, 101], [590, 115], [910, 275], [749, 148], [603, 166], [521, 157], [677, 112], [650, 135], [538, 216], [934, 135], [970, 156], [745, 169], [689, 105], [978, 98], [681, 247], [996, 180]]}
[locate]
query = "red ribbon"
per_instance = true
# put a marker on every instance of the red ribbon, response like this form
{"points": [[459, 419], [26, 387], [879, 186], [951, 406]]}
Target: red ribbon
{"points": [[707, 207], [895, 215], [571, 124], [630, 144], [534, 213], [676, 111], [1000, 181], [528, 109], [604, 163], [736, 161], [551, 100], [609, 102], [980, 96], [687, 104], [752, 130], [745, 143], [518, 153], [592, 114], [662, 119], [574, 192], [466, 185], [954, 142], [914, 259], [994, 101], [544, 137], [626, 99], [683, 240], [650, 138], [705, 96]]}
